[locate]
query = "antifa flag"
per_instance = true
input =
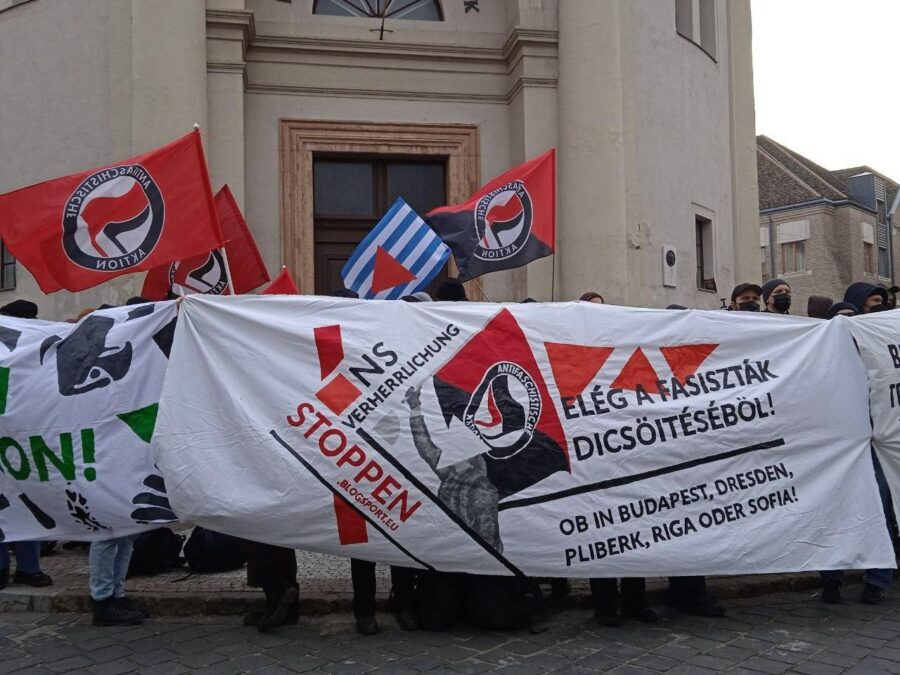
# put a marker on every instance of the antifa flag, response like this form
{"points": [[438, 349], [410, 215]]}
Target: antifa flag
{"points": [[206, 273], [507, 223], [494, 386], [81, 230], [283, 284]]}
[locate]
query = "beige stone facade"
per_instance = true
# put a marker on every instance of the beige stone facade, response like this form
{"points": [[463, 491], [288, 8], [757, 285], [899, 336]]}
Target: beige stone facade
{"points": [[838, 217], [653, 121]]}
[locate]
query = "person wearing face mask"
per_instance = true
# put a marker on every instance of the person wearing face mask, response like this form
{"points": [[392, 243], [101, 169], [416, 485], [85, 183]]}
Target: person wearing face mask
{"points": [[776, 295], [745, 298], [867, 297]]}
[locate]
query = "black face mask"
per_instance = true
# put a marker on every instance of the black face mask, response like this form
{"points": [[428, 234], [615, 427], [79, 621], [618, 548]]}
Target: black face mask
{"points": [[782, 302], [878, 308], [748, 306]]}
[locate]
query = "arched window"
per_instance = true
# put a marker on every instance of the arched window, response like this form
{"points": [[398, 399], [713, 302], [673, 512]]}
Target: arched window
{"points": [[420, 10]]}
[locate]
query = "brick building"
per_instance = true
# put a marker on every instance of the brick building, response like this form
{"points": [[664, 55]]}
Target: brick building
{"points": [[822, 230]]}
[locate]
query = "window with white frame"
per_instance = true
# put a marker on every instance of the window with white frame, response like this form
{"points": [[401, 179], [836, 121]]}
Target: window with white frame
{"points": [[792, 238], [7, 269], [868, 236], [706, 268], [696, 21]]}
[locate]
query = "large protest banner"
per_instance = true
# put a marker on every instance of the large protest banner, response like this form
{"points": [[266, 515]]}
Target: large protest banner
{"points": [[878, 339], [78, 404], [565, 439]]}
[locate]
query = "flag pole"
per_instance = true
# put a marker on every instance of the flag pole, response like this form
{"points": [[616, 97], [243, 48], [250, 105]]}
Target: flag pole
{"points": [[553, 279], [227, 270], [475, 281]]}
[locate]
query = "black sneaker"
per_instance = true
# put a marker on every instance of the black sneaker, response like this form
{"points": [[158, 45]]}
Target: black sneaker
{"points": [[278, 616], [607, 616], [366, 625], [108, 612], [831, 592], [407, 620], [4, 577], [871, 595], [643, 613], [127, 603], [707, 607], [252, 619], [36, 579]]}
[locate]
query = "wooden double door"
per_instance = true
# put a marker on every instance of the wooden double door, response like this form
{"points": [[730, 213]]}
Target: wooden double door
{"points": [[352, 193]]}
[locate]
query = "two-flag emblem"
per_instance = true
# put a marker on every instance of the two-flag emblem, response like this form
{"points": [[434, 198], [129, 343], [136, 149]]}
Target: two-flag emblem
{"points": [[400, 256]]}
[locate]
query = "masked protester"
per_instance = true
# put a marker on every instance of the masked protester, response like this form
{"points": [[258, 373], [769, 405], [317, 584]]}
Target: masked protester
{"points": [[745, 298], [866, 297], [817, 306], [776, 296], [28, 553], [842, 308]]}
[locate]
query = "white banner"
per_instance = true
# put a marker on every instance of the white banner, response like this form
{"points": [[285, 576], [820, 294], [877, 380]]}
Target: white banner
{"points": [[77, 407], [878, 338], [568, 440]]}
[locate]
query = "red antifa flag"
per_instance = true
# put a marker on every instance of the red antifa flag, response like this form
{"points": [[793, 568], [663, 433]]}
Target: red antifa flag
{"points": [[78, 231], [507, 223], [206, 273], [494, 386], [283, 284]]}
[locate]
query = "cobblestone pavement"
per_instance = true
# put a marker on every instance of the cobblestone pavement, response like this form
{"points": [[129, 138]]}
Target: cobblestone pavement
{"points": [[792, 632]]}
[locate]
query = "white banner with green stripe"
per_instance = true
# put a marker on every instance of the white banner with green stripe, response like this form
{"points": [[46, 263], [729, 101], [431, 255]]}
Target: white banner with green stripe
{"points": [[78, 406]]}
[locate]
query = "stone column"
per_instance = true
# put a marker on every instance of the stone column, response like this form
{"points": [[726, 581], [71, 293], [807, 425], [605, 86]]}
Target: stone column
{"points": [[591, 223]]}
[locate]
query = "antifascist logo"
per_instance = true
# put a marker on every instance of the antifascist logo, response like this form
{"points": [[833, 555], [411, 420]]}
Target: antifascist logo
{"points": [[208, 277], [504, 409], [503, 219], [114, 219]]}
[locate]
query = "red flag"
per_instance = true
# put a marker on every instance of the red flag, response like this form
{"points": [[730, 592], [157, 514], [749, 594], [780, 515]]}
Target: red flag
{"points": [[78, 231], [507, 223], [206, 273], [283, 284]]}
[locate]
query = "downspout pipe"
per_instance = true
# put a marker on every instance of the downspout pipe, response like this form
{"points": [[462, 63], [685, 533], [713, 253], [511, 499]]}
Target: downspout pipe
{"points": [[890, 218]]}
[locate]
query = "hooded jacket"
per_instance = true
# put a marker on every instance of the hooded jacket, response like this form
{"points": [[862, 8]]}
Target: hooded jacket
{"points": [[858, 292]]}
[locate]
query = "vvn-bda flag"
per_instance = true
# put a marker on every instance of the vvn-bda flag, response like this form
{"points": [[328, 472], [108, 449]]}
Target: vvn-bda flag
{"points": [[507, 223], [400, 256], [78, 231], [206, 273]]}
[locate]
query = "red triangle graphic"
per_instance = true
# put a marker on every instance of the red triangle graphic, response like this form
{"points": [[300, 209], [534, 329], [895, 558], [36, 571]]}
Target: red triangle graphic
{"points": [[638, 371], [684, 360], [574, 366], [388, 272]]}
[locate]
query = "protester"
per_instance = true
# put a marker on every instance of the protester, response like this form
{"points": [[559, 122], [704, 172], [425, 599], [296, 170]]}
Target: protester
{"points": [[451, 290], [866, 297], [818, 305], [842, 308], [745, 298], [776, 296], [592, 296], [274, 568], [28, 553], [633, 600]]}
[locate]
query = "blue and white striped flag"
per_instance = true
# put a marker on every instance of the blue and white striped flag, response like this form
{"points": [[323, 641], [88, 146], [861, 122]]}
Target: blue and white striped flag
{"points": [[400, 256]]}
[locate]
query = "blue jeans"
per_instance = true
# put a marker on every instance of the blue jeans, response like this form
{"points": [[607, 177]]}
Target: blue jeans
{"points": [[109, 564], [876, 577], [28, 556]]}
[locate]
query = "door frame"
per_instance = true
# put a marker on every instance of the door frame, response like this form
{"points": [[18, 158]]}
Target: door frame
{"points": [[300, 139]]}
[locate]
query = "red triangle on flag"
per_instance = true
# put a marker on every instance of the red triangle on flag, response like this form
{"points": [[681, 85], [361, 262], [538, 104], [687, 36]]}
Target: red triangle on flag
{"points": [[388, 272], [574, 366], [638, 371], [684, 360]]}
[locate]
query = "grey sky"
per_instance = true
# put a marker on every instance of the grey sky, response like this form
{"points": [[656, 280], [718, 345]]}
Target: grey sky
{"points": [[827, 79]]}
